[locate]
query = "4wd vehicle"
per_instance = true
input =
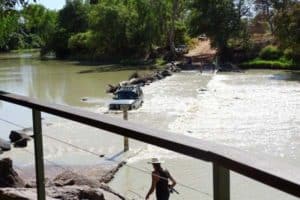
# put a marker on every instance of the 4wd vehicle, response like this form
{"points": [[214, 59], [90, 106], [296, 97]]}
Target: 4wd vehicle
{"points": [[181, 49], [131, 96]]}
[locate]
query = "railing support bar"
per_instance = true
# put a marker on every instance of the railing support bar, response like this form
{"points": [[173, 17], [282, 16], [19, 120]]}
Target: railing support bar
{"points": [[125, 117], [221, 182], [39, 156]]}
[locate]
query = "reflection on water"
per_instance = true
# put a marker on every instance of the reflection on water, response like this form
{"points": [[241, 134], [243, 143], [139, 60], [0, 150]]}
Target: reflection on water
{"points": [[256, 111]]}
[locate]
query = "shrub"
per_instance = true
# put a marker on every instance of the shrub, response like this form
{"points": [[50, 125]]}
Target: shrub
{"points": [[293, 54], [268, 64], [80, 42], [270, 53]]}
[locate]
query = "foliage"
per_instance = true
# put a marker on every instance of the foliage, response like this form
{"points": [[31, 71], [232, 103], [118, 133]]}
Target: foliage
{"points": [[270, 53], [8, 25], [81, 43], [269, 64], [220, 20], [288, 29], [39, 21], [58, 43], [73, 17], [292, 54]]}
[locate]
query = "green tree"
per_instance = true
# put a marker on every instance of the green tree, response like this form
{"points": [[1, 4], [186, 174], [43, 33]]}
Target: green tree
{"points": [[287, 26], [73, 17], [8, 26], [220, 20], [39, 21]]}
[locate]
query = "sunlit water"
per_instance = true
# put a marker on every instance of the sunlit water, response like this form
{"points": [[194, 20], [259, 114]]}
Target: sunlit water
{"points": [[256, 111]]}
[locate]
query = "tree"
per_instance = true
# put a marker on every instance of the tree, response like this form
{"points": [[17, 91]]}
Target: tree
{"points": [[220, 20], [73, 17], [39, 21], [8, 25], [265, 9], [287, 26]]}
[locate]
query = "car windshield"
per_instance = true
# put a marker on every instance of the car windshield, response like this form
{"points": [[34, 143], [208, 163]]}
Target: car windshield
{"points": [[126, 95]]}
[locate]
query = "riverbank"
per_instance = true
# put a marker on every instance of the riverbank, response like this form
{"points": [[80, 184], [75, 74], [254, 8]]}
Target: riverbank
{"points": [[270, 64], [62, 182]]}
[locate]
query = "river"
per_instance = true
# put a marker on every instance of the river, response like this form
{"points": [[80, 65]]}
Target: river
{"points": [[256, 111]]}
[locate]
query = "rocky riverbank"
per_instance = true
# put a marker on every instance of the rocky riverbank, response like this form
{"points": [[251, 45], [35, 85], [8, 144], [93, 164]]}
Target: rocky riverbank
{"points": [[80, 182], [146, 79]]}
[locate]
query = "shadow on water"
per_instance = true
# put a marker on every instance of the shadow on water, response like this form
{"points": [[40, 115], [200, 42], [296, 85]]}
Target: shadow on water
{"points": [[287, 76]]}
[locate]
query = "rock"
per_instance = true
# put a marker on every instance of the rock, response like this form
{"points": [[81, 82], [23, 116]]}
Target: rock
{"points": [[4, 145], [75, 193], [19, 194], [203, 89], [137, 81], [72, 178], [8, 176], [166, 73], [19, 138], [124, 83], [112, 89], [18, 135], [134, 75], [54, 193]]}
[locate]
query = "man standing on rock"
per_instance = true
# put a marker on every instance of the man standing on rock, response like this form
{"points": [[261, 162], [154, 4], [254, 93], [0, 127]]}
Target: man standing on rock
{"points": [[160, 181]]}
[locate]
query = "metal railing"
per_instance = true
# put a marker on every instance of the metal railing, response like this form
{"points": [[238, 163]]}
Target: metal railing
{"points": [[279, 175]]}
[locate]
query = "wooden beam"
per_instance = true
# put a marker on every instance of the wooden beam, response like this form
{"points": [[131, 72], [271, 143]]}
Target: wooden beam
{"points": [[39, 156], [125, 117]]}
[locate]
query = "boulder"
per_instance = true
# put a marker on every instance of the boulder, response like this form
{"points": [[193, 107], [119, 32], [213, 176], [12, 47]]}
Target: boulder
{"points": [[75, 193], [72, 178], [53, 193], [166, 73], [8, 176], [18, 194], [19, 138], [112, 88]]}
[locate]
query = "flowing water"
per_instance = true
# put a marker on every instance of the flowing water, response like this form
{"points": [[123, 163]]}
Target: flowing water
{"points": [[256, 111]]}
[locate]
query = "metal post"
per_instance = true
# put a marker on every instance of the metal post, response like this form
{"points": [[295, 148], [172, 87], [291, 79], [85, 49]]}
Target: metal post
{"points": [[125, 117], [221, 182], [39, 157]]}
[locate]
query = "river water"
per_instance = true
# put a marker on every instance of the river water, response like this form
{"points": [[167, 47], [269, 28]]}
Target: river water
{"points": [[256, 111]]}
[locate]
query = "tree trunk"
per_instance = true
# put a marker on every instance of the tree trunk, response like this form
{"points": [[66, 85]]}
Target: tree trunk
{"points": [[172, 28], [270, 20]]}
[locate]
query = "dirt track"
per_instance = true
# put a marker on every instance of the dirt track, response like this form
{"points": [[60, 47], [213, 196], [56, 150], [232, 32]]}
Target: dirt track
{"points": [[203, 52]]}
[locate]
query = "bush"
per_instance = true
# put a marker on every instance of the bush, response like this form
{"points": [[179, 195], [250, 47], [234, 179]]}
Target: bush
{"points": [[270, 53], [80, 42], [268, 64], [292, 54]]}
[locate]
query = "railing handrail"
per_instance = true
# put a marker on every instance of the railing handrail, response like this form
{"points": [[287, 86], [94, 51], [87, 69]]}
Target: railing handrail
{"points": [[280, 175]]}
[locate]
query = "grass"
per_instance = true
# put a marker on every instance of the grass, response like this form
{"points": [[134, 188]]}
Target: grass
{"points": [[269, 64]]}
